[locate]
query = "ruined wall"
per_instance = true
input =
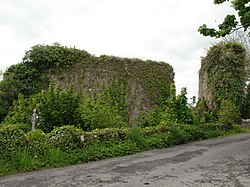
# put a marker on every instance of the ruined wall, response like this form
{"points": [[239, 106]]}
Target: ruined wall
{"points": [[146, 82], [204, 90], [222, 75]]}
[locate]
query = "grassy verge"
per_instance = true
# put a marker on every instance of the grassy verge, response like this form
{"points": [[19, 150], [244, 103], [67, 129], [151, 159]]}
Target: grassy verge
{"points": [[41, 150]]}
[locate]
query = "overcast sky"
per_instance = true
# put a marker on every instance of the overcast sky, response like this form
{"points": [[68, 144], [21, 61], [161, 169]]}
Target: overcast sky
{"points": [[162, 30]]}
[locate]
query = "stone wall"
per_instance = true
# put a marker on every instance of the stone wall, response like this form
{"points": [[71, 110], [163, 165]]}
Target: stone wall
{"points": [[147, 82]]}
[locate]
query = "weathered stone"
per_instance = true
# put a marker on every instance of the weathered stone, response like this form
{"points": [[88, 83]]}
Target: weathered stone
{"points": [[146, 82]]}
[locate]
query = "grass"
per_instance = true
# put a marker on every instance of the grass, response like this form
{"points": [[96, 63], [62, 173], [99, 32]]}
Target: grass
{"points": [[23, 161]]}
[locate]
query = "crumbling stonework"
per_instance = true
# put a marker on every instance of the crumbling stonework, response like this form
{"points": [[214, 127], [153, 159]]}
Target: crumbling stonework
{"points": [[222, 75], [146, 82], [204, 90]]}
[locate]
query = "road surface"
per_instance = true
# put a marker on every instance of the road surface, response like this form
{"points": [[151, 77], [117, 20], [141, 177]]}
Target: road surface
{"points": [[216, 162]]}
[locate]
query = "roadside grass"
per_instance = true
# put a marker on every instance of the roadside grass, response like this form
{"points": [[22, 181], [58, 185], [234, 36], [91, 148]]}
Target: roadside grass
{"points": [[23, 160]]}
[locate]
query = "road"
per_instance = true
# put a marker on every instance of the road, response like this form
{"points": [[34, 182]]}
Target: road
{"points": [[215, 162]]}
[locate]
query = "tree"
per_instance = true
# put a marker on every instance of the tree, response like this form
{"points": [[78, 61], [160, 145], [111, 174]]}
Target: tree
{"points": [[230, 23]]}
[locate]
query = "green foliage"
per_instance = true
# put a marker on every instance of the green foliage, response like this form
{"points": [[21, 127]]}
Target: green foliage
{"points": [[159, 141], [22, 111], [44, 57], [106, 110], [65, 138], [225, 66], [115, 96], [246, 105], [136, 136], [228, 113], [57, 108], [202, 113], [177, 110], [171, 112], [156, 79], [63, 146], [11, 140], [107, 134], [65, 65], [19, 79], [178, 135], [37, 142], [55, 157], [194, 133], [184, 112], [23, 161], [230, 24], [29, 76]]}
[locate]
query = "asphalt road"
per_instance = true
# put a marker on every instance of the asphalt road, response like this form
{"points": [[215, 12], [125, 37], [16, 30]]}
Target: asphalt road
{"points": [[217, 162]]}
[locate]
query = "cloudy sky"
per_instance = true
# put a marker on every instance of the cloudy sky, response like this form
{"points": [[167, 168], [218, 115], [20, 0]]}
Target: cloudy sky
{"points": [[162, 30]]}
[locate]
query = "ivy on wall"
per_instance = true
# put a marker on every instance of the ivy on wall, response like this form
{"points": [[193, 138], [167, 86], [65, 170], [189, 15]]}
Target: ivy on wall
{"points": [[45, 63], [225, 65]]}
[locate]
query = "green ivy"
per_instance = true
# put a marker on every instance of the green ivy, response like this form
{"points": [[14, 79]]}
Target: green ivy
{"points": [[225, 65], [44, 63]]}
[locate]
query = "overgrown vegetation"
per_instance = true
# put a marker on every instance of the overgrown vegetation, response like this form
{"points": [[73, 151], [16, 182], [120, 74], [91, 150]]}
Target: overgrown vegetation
{"points": [[64, 66], [225, 68], [64, 107], [70, 145], [28, 77], [78, 126]]}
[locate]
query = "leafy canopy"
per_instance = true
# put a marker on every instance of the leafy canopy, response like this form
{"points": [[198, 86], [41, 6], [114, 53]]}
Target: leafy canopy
{"points": [[230, 23]]}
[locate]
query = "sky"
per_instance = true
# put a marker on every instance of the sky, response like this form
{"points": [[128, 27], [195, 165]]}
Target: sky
{"points": [[161, 30]]}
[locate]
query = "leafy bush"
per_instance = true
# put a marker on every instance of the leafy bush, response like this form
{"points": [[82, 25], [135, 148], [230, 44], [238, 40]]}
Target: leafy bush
{"points": [[193, 132], [202, 113], [22, 111], [178, 135], [160, 141], [174, 110], [107, 134], [136, 136], [66, 146], [37, 142], [148, 131], [57, 108], [152, 118], [228, 113], [12, 139], [214, 126], [100, 113], [66, 138]]}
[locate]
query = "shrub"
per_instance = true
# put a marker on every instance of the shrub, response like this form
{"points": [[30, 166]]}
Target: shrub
{"points": [[193, 132], [22, 111], [99, 113], [178, 135], [174, 110], [37, 142], [57, 108], [66, 138], [12, 139], [159, 141], [228, 113], [136, 136], [107, 134], [149, 131]]}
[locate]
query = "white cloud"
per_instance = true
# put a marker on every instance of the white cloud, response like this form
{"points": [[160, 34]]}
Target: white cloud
{"points": [[158, 30]]}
